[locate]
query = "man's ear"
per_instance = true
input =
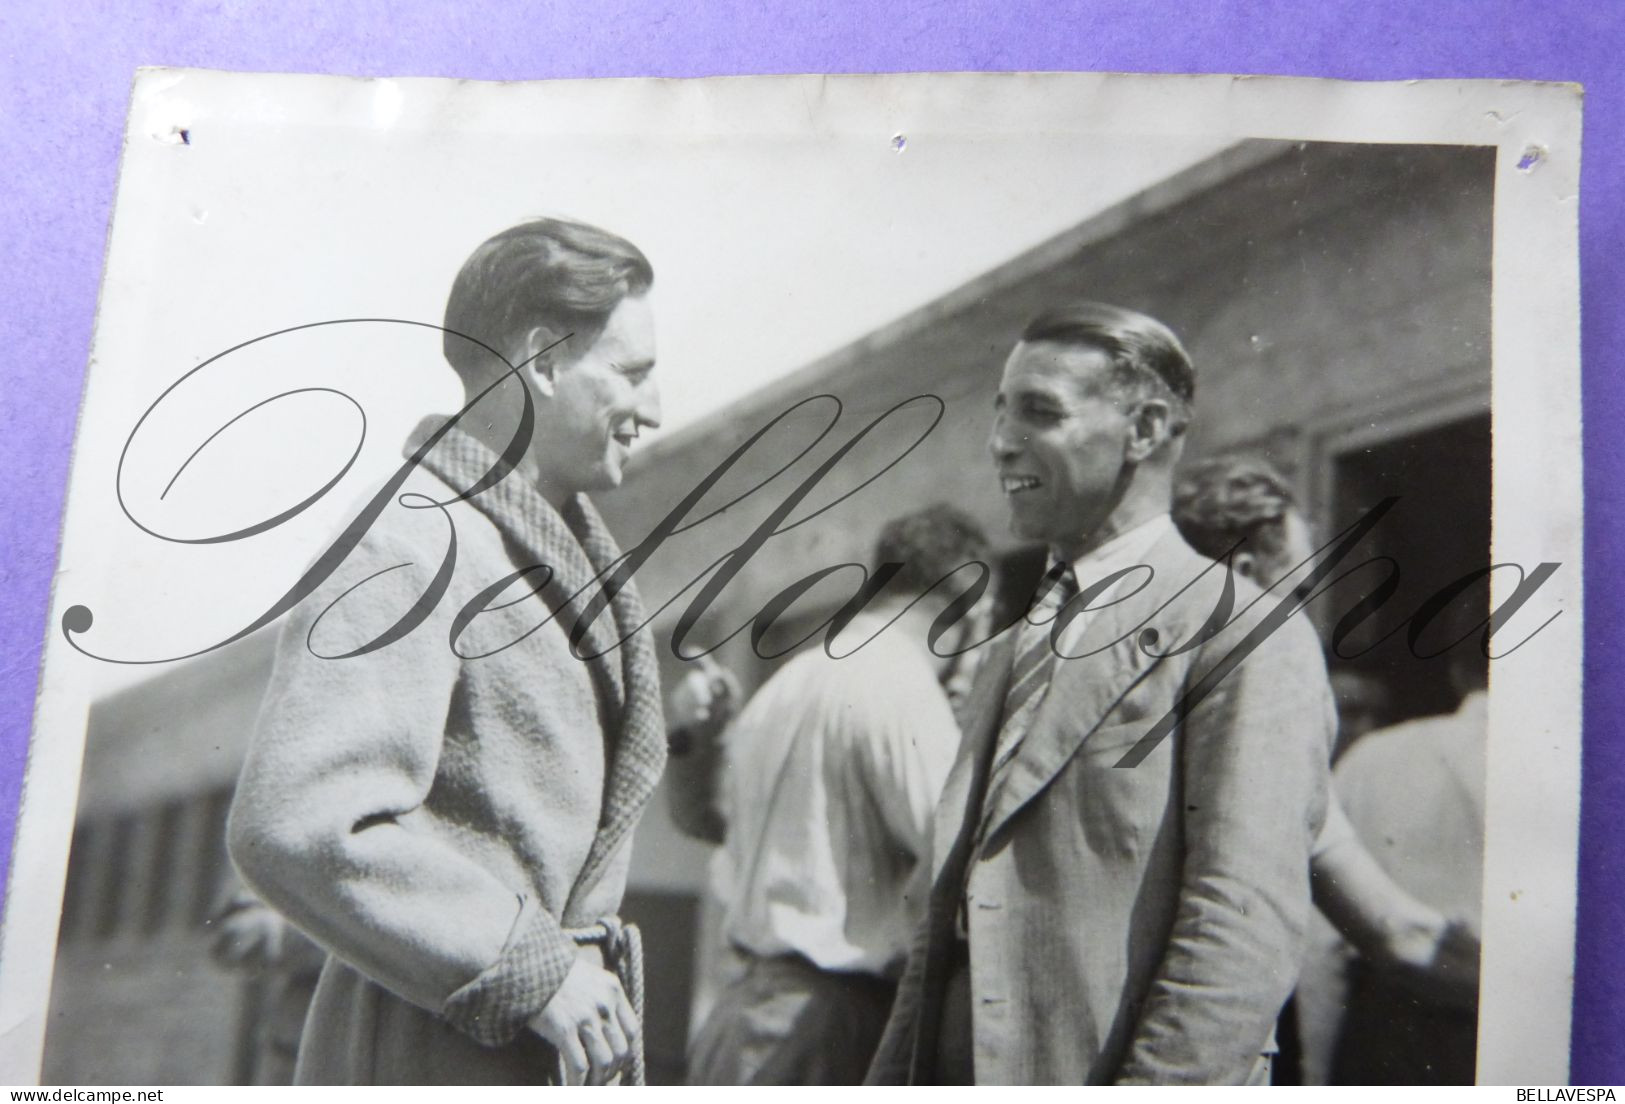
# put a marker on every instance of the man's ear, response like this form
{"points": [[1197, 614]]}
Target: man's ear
{"points": [[1150, 426], [1245, 564], [538, 356]]}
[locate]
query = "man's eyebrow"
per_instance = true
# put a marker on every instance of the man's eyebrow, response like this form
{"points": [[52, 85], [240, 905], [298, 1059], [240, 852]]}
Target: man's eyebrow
{"points": [[632, 367], [1028, 395]]}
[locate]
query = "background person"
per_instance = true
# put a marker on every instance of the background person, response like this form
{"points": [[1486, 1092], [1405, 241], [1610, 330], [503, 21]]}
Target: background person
{"points": [[828, 779], [1241, 509], [1417, 791]]}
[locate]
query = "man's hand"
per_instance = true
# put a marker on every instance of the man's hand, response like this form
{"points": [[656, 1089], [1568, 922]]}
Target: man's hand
{"points": [[1436, 960], [699, 709], [590, 1022], [705, 700], [248, 934]]}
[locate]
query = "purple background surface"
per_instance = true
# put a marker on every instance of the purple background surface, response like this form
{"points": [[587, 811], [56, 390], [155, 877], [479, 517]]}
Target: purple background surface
{"points": [[65, 90]]}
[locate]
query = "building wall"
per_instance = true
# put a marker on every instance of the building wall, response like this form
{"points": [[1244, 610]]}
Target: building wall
{"points": [[136, 996]]}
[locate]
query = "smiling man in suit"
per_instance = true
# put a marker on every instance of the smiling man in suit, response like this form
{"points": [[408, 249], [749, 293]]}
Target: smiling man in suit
{"points": [[1122, 849]]}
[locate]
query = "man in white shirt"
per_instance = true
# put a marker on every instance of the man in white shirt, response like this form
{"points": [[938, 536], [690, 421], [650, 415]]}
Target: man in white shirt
{"points": [[1416, 790], [829, 779]]}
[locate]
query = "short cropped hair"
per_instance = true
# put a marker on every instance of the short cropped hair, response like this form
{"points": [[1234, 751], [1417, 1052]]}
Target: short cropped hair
{"points": [[1238, 500], [930, 544], [567, 277], [1148, 361]]}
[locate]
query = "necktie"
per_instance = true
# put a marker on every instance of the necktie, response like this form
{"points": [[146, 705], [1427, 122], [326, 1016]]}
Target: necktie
{"points": [[1029, 680], [1035, 660]]}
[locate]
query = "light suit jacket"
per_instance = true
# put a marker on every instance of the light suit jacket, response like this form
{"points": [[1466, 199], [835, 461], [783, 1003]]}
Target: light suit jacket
{"points": [[1130, 924]]}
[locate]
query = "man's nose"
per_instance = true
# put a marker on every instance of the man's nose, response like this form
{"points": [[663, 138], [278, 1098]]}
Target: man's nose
{"points": [[648, 408], [1000, 443]]}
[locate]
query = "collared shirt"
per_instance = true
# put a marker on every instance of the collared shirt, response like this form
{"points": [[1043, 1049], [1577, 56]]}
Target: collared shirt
{"points": [[1123, 552], [1126, 550], [834, 769]]}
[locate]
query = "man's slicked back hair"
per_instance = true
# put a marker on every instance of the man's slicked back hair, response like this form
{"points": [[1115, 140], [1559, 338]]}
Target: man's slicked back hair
{"points": [[566, 277], [1148, 360]]}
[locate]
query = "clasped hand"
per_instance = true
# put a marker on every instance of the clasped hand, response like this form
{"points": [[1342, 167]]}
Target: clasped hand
{"points": [[590, 1022]]}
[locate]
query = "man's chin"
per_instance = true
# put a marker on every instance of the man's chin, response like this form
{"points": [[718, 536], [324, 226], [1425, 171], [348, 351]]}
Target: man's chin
{"points": [[609, 476], [604, 477], [1026, 521]]}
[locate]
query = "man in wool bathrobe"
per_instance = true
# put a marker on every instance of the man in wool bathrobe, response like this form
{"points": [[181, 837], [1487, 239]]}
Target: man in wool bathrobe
{"points": [[443, 784]]}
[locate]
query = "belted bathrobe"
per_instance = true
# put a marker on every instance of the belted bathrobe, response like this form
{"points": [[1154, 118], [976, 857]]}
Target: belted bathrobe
{"points": [[437, 811]]}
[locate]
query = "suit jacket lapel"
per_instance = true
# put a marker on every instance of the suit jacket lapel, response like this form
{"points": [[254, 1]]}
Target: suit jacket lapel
{"points": [[1083, 691], [965, 791]]}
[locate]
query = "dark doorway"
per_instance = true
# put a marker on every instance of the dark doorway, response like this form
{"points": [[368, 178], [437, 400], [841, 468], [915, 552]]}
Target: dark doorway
{"points": [[1437, 533]]}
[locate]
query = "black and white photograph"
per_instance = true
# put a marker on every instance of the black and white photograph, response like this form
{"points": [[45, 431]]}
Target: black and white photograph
{"points": [[936, 579]]}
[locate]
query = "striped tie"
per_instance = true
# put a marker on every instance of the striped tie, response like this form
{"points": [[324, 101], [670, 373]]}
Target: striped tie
{"points": [[1035, 661]]}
